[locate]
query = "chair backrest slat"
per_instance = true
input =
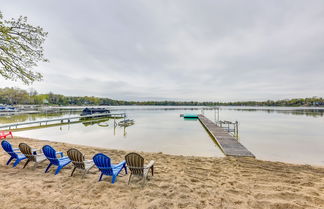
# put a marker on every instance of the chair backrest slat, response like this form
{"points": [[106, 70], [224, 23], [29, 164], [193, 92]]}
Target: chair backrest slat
{"points": [[135, 163], [8, 148], [50, 154], [103, 162], [27, 151], [77, 158]]}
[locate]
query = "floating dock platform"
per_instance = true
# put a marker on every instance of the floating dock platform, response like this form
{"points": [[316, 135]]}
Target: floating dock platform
{"points": [[228, 144]]}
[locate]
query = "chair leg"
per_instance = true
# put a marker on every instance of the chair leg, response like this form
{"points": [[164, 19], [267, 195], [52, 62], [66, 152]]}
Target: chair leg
{"points": [[100, 176], [49, 165], [144, 178], [152, 169], [26, 163], [35, 166], [85, 172], [58, 169], [16, 163], [130, 176], [125, 169], [73, 171], [11, 158], [113, 179]]}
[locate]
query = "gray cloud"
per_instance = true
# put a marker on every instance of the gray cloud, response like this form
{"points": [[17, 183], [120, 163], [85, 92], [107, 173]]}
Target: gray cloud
{"points": [[181, 50]]}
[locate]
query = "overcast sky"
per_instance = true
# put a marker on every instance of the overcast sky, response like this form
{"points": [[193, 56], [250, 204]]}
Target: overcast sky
{"points": [[178, 50]]}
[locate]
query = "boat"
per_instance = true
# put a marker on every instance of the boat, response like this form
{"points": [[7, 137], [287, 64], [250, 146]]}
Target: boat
{"points": [[189, 115], [126, 122], [7, 109], [103, 124], [92, 111]]}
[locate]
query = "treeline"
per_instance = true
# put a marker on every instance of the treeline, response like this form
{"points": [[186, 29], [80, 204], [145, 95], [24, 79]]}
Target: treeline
{"points": [[14, 96]]}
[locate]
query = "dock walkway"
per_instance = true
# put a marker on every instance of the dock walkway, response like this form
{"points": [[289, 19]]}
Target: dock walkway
{"points": [[228, 144], [61, 120]]}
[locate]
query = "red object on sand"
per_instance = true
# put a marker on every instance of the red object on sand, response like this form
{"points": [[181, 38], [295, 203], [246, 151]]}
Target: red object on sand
{"points": [[3, 134]]}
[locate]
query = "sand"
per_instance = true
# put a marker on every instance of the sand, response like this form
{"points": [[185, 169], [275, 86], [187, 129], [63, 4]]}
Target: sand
{"points": [[179, 182]]}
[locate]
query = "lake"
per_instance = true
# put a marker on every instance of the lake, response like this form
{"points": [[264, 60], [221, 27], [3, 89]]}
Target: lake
{"points": [[277, 134]]}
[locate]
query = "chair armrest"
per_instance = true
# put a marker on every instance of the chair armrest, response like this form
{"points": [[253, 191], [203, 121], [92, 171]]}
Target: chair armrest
{"points": [[36, 151], [61, 153], [149, 165], [119, 164], [14, 150], [66, 157]]}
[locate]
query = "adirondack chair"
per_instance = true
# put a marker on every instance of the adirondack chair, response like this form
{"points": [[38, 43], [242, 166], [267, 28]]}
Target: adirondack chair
{"points": [[104, 164], [50, 154], [135, 163], [78, 160], [13, 152], [3, 134], [33, 155]]}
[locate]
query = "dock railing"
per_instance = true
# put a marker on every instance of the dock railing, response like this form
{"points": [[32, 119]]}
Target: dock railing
{"points": [[230, 127]]}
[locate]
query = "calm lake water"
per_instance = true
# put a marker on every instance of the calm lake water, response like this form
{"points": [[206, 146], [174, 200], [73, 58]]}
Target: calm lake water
{"points": [[277, 134]]}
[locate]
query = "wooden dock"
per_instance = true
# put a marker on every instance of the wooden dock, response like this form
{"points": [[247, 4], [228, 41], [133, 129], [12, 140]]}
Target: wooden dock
{"points": [[228, 144], [63, 120]]}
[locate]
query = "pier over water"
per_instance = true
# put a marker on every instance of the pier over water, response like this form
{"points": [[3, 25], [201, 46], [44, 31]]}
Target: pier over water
{"points": [[228, 144]]}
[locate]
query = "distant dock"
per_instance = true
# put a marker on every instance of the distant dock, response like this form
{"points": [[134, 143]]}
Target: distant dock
{"points": [[64, 120], [228, 144]]}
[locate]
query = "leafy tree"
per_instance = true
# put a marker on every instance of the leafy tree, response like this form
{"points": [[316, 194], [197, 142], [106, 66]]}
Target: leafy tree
{"points": [[14, 96], [20, 49]]}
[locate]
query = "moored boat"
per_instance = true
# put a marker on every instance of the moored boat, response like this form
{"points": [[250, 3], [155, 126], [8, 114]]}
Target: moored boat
{"points": [[126, 122], [92, 111]]}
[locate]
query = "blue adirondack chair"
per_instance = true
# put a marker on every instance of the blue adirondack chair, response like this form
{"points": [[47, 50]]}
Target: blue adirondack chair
{"points": [[14, 154], [50, 154], [104, 164]]}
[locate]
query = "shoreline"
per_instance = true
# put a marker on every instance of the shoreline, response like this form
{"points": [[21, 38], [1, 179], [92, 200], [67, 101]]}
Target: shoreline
{"points": [[178, 182], [174, 155]]}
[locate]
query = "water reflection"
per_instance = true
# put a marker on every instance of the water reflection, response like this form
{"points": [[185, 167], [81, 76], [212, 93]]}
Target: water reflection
{"points": [[33, 117], [100, 122]]}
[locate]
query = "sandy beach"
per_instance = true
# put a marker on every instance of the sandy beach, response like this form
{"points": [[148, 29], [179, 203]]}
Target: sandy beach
{"points": [[179, 182]]}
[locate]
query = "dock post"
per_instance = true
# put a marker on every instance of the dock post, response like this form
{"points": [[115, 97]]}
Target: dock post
{"points": [[236, 129]]}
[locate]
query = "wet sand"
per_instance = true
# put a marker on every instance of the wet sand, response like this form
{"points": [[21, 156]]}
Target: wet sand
{"points": [[178, 182]]}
